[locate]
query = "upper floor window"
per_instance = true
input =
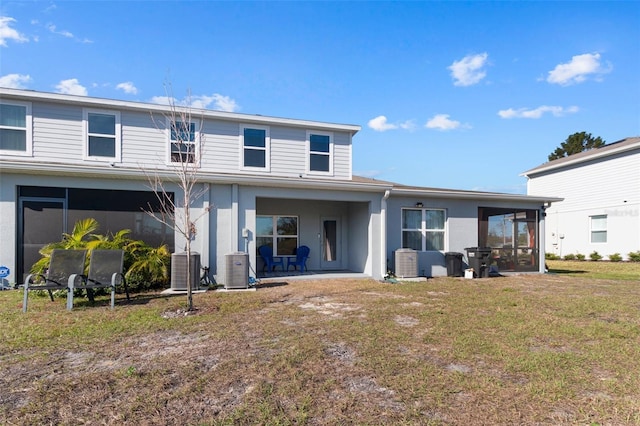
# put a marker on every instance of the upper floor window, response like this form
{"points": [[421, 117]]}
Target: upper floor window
{"points": [[255, 147], [320, 152], [15, 128], [103, 135], [598, 228], [183, 139], [423, 229]]}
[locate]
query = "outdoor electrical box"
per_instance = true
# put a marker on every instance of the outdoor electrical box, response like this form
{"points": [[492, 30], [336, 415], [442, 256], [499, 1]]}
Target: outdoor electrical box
{"points": [[237, 271]]}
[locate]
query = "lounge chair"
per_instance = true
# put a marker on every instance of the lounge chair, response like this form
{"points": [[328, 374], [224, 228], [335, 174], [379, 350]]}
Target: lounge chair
{"points": [[270, 262], [105, 271], [302, 254], [63, 264]]}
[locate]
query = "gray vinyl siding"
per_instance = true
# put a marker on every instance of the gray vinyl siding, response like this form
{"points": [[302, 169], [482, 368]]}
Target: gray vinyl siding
{"points": [[57, 133], [342, 155], [58, 137], [143, 139], [288, 151]]}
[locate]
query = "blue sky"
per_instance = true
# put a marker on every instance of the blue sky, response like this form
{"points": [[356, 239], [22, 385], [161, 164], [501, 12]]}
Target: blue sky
{"points": [[463, 95]]}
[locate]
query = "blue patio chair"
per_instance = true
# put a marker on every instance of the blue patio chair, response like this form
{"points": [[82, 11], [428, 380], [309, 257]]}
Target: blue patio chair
{"points": [[270, 262], [302, 254]]}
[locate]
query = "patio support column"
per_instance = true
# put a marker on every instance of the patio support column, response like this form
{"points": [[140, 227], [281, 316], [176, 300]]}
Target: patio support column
{"points": [[541, 240], [234, 217], [383, 233], [204, 225]]}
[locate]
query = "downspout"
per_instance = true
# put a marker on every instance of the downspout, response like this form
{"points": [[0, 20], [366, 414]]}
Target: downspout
{"points": [[383, 233]]}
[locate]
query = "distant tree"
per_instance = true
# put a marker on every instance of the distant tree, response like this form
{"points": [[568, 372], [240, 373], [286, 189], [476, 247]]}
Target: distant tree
{"points": [[577, 142]]}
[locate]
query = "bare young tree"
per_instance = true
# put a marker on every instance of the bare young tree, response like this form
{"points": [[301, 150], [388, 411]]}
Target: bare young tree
{"points": [[187, 144]]}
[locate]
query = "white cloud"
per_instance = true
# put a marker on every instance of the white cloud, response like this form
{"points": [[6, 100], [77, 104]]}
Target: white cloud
{"points": [[408, 125], [128, 87], [53, 29], [379, 124], [8, 33], [71, 87], [15, 81], [556, 111], [578, 70], [469, 70], [220, 102], [442, 122]]}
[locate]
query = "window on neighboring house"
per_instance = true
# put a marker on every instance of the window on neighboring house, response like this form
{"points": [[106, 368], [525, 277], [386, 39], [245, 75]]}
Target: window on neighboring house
{"points": [[320, 151], [423, 229], [103, 134], [255, 147], [599, 229], [15, 128], [278, 232], [183, 142]]}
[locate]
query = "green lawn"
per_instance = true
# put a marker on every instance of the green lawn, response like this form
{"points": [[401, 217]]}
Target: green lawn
{"points": [[553, 349], [599, 269]]}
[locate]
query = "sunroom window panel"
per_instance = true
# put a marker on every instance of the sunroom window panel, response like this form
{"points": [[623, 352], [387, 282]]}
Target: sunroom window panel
{"points": [[13, 140]]}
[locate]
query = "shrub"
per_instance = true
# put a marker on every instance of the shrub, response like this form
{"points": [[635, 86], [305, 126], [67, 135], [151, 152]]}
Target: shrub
{"points": [[551, 256], [570, 256], [595, 256], [634, 256], [615, 257], [147, 267], [580, 256]]}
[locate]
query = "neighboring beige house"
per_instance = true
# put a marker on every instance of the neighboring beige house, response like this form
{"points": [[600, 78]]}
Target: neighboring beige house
{"points": [[600, 210], [275, 181]]}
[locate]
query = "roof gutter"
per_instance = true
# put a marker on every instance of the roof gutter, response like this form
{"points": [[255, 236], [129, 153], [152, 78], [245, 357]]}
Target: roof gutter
{"points": [[471, 195], [113, 171]]}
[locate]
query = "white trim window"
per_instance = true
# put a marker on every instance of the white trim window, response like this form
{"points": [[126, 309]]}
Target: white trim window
{"points": [[278, 232], [256, 148], [598, 227], [319, 152], [424, 229], [183, 141], [15, 128], [102, 135]]}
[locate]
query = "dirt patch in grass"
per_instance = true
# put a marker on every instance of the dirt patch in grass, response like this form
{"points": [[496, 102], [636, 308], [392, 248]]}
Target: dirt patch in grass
{"points": [[529, 349]]}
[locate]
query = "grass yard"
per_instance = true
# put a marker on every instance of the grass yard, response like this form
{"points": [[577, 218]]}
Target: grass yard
{"points": [[551, 349]]}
